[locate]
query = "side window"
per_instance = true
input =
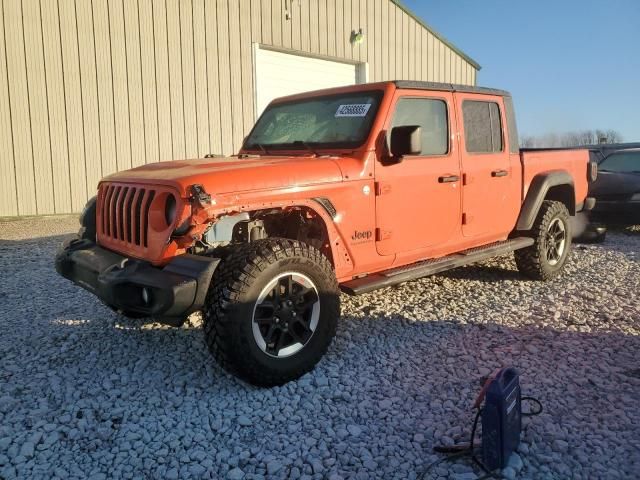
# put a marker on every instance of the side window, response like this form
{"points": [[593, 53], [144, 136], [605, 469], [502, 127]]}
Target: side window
{"points": [[431, 115], [482, 127]]}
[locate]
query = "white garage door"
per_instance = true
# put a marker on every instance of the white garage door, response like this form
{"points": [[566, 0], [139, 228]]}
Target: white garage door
{"points": [[279, 74]]}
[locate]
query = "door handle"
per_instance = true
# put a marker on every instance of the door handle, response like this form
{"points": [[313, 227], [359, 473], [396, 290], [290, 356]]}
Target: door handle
{"points": [[499, 173], [448, 179]]}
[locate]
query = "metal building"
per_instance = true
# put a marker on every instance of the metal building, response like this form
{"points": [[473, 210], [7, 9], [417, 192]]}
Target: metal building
{"points": [[88, 87]]}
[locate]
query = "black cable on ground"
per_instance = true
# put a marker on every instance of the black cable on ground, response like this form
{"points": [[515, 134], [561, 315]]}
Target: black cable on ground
{"points": [[460, 451], [534, 412]]}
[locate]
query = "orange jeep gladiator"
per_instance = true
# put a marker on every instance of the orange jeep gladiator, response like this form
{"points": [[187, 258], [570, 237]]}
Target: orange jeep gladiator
{"points": [[351, 189]]}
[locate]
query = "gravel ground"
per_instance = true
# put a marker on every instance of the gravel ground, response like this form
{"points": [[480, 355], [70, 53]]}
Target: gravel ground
{"points": [[86, 393]]}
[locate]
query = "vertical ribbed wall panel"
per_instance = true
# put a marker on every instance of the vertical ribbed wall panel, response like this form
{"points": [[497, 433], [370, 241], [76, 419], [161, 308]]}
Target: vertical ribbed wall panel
{"points": [[90, 87]]}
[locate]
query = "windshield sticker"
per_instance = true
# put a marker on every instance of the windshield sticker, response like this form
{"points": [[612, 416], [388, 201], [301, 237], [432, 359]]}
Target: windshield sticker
{"points": [[353, 110]]}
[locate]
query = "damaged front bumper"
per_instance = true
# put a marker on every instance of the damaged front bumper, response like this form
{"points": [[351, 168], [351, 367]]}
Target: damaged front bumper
{"points": [[168, 294]]}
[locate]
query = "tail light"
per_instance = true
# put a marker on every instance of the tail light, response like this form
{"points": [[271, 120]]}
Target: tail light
{"points": [[592, 171]]}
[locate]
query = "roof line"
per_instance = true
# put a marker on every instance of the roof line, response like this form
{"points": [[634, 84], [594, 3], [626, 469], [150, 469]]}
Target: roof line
{"points": [[436, 34], [448, 87]]}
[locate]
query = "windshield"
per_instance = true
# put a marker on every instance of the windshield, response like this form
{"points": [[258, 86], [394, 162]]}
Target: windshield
{"points": [[332, 121], [621, 162]]}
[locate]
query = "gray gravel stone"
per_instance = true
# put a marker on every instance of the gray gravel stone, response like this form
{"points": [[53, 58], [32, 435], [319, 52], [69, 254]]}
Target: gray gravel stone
{"points": [[172, 474], [273, 467], [27, 450], [509, 473], [244, 421], [465, 476], [85, 391], [515, 462], [235, 474]]}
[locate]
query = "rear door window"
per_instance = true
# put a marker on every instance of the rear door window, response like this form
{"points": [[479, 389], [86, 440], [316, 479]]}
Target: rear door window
{"points": [[622, 162], [431, 116], [482, 127]]}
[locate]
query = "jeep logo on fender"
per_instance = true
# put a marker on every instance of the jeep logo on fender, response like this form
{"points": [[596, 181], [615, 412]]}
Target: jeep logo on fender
{"points": [[361, 237]]}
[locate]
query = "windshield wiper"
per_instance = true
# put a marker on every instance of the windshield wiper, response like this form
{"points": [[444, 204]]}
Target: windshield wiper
{"points": [[262, 148], [305, 145]]}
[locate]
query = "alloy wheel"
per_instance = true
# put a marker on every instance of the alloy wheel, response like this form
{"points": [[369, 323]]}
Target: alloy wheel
{"points": [[286, 314], [556, 241]]}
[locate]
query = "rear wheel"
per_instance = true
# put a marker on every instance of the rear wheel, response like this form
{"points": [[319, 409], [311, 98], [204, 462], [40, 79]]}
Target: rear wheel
{"points": [[271, 311], [546, 258]]}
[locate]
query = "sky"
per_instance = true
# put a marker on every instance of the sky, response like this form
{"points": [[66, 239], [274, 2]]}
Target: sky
{"points": [[569, 64]]}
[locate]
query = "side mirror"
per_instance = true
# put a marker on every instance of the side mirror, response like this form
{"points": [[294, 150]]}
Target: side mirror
{"points": [[405, 140]]}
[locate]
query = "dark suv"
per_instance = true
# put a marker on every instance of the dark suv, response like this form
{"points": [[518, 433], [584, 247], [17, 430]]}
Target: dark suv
{"points": [[617, 189]]}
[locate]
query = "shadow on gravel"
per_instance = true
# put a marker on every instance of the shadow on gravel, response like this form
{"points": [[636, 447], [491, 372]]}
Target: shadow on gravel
{"points": [[484, 273], [399, 377], [389, 375], [54, 240]]}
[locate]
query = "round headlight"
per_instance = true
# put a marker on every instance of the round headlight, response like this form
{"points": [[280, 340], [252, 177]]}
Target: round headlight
{"points": [[170, 209]]}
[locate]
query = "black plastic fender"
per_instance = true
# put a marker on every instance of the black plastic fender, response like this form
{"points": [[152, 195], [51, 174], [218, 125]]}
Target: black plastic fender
{"points": [[538, 190]]}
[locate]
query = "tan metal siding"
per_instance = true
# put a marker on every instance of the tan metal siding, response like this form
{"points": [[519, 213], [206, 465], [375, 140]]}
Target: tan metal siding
{"points": [[277, 11], [365, 21], [187, 58], [149, 89], [285, 26], [120, 93], [314, 37], [342, 11], [397, 52], [246, 70], [55, 106], [237, 95], [163, 85], [304, 26], [88, 88], [103, 60], [90, 127], [224, 75], [175, 80], [201, 96], [8, 192], [387, 68], [135, 93], [19, 108], [38, 109], [213, 76]]}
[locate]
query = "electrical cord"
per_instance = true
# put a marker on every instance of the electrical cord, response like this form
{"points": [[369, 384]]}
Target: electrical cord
{"points": [[534, 412], [456, 451], [462, 450]]}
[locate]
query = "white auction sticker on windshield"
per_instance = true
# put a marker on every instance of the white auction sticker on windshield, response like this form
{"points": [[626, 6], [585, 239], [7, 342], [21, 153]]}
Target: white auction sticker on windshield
{"points": [[353, 110]]}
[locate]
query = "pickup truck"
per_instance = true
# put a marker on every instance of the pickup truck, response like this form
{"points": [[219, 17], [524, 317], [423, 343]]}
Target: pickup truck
{"points": [[353, 189]]}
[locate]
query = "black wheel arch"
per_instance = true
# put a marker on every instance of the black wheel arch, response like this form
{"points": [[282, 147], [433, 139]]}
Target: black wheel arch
{"points": [[88, 219], [554, 185]]}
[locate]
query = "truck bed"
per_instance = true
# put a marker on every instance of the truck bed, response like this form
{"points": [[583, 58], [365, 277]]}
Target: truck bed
{"points": [[573, 161]]}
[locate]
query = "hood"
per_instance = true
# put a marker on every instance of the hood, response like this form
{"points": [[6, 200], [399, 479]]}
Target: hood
{"points": [[612, 183], [232, 174]]}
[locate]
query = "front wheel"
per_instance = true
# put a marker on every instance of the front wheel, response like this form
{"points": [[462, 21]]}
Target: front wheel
{"points": [[271, 311], [546, 258]]}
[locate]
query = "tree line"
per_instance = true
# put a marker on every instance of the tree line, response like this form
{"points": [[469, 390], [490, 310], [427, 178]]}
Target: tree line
{"points": [[570, 139]]}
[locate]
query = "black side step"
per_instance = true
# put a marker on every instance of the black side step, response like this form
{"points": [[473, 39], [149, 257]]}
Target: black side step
{"points": [[424, 268]]}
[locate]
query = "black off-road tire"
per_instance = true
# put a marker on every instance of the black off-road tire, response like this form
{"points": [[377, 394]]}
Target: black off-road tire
{"points": [[128, 314], [243, 273], [534, 261]]}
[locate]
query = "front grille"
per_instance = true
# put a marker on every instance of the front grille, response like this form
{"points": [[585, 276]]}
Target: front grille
{"points": [[124, 213]]}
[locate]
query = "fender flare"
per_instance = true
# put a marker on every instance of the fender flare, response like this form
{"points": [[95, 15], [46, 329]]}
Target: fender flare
{"points": [[537, 193], [322, 207]]}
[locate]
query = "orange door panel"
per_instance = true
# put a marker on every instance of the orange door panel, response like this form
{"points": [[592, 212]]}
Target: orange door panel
{"points": [[487, 196], [418, 200]]}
